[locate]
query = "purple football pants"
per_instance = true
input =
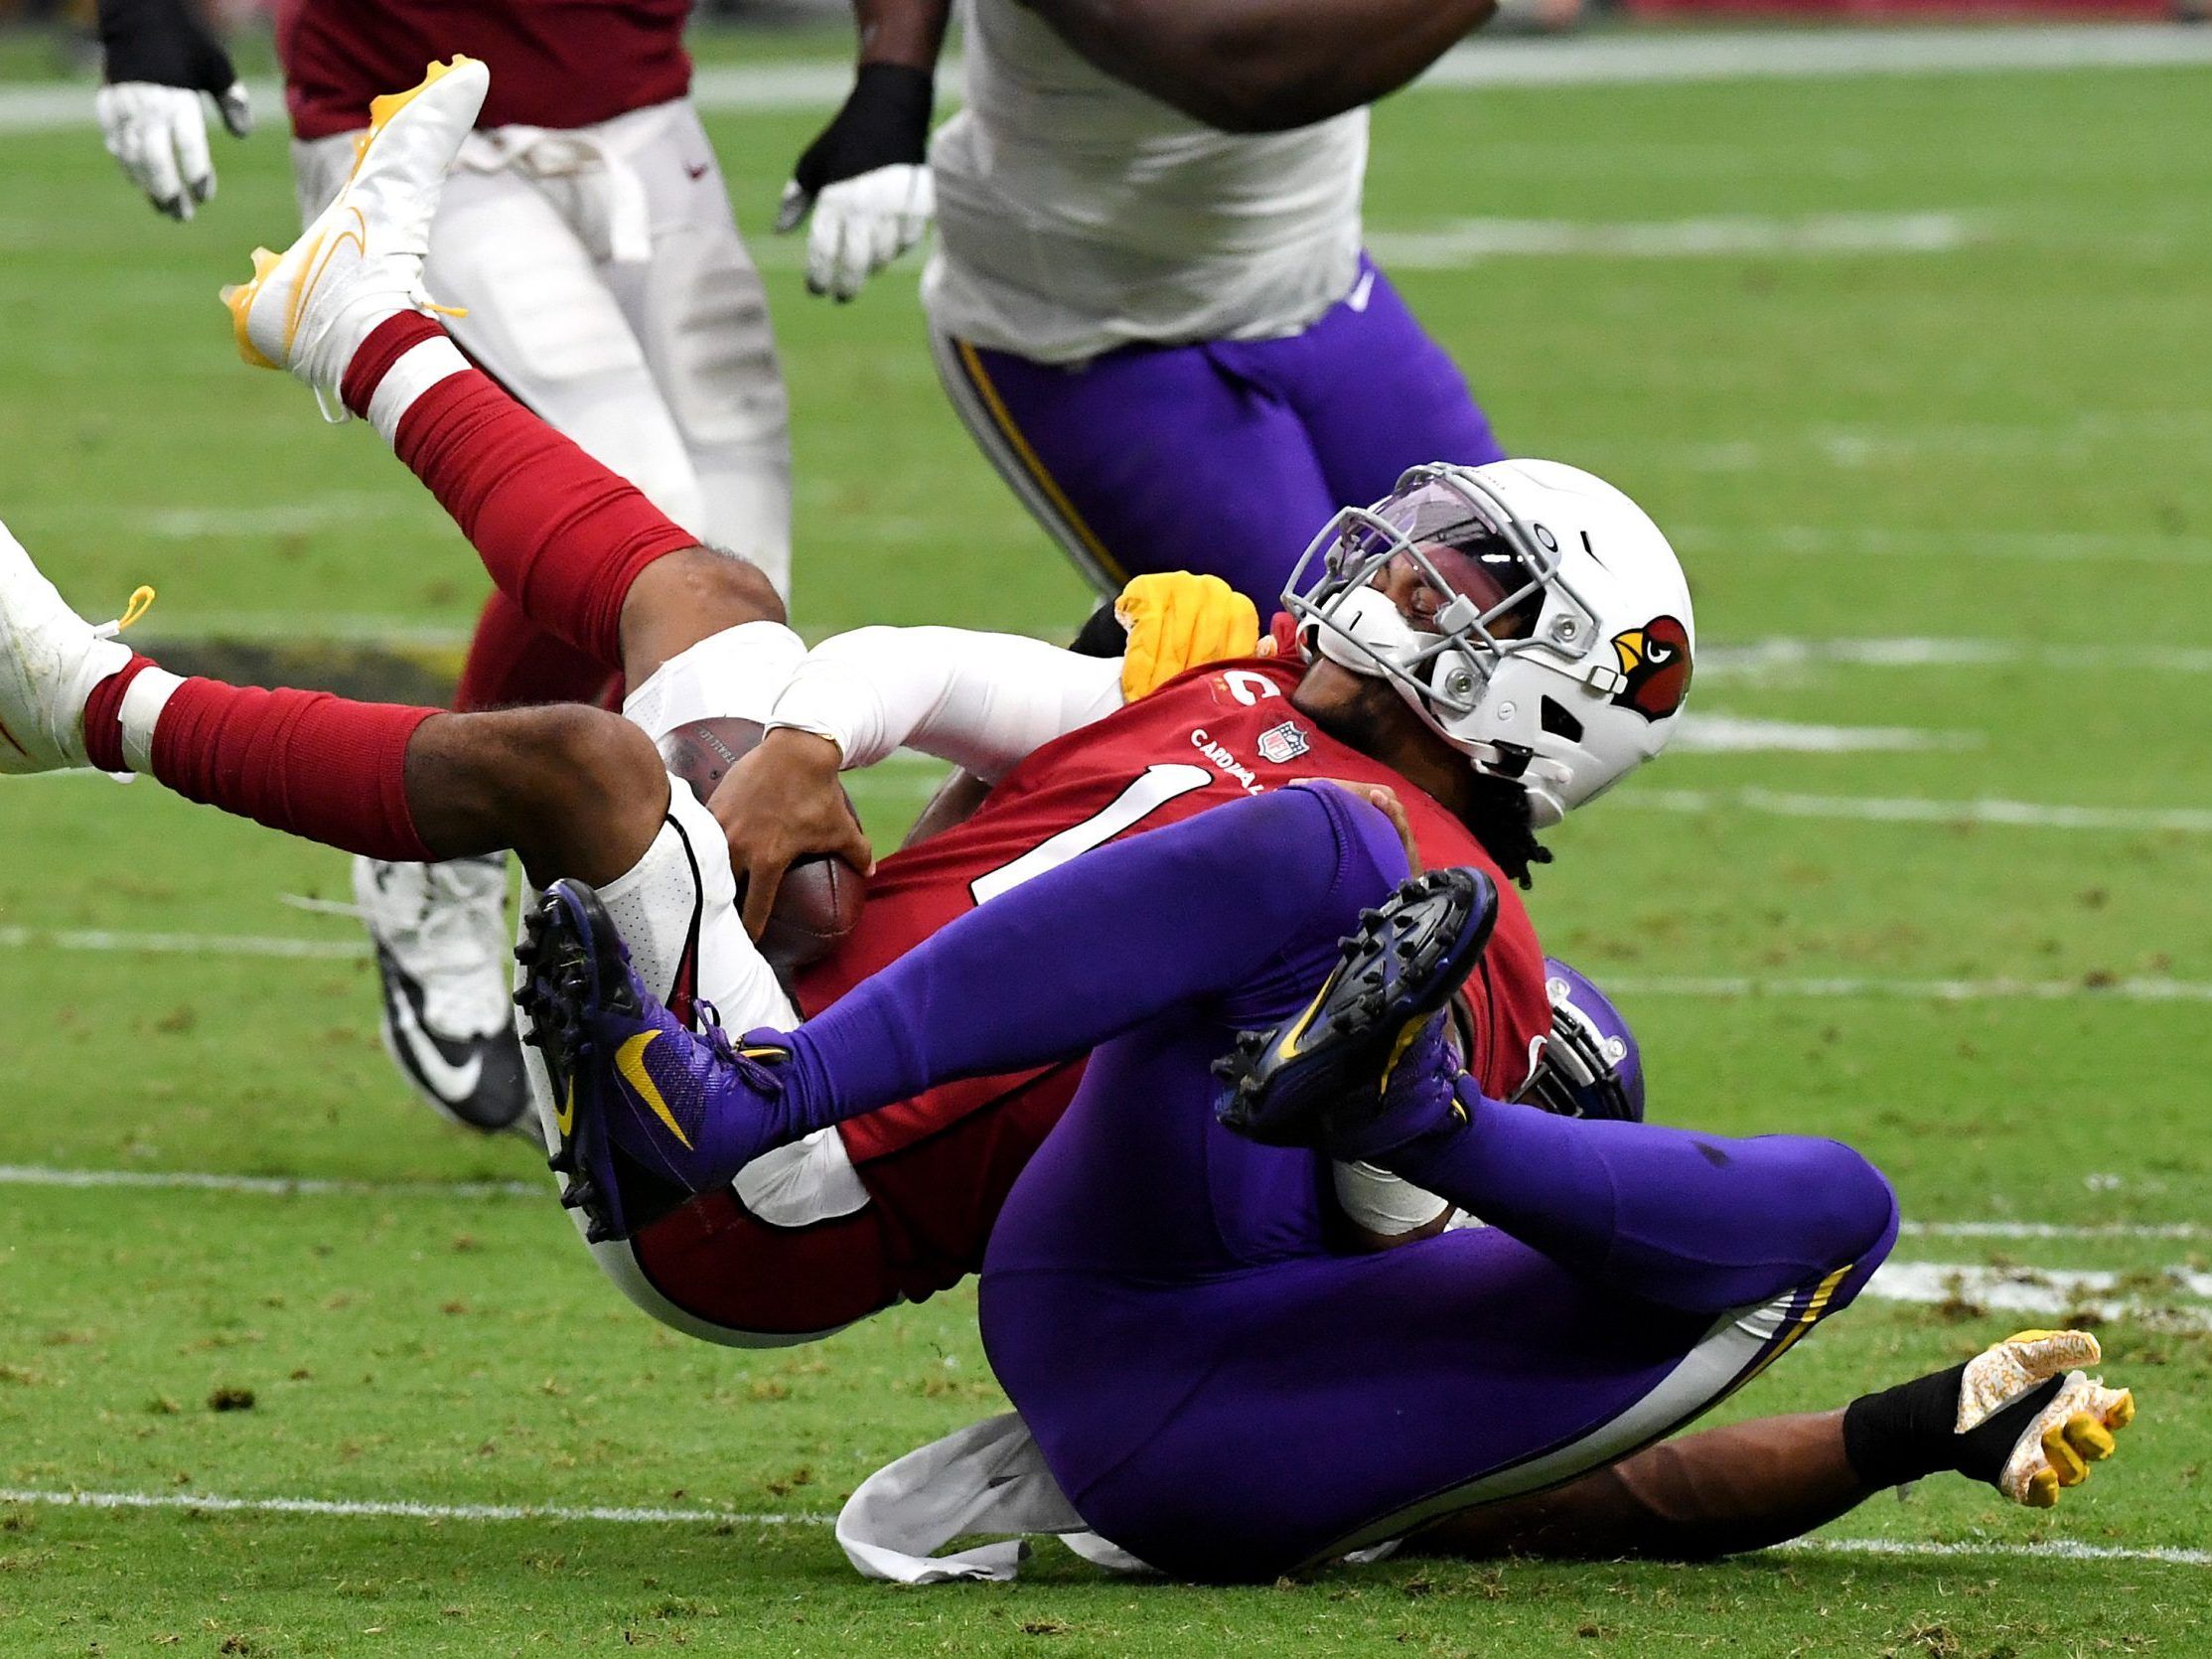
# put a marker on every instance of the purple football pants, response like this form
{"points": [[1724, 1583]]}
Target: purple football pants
{"points": [[1225, 457], [1216, 1390]]}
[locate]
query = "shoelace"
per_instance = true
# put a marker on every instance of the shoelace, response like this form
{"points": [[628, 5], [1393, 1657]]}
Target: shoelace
{"points": [[451, 947], [141, 601], [715, 1036]]}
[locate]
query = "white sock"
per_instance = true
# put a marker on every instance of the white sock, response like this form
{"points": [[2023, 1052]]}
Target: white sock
{"points": [[143, 700], [419, 367]]}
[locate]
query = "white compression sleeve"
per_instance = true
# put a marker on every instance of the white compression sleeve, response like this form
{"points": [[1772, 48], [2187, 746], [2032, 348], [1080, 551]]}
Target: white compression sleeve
{"points": [[739, 671], [1376, 1201], [979, 700]]}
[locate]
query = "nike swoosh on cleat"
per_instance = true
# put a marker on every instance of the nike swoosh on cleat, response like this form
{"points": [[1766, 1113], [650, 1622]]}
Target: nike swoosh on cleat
{"points": [[302, 295], [1294, 1040], [449, 1081], [298, 302], [564, 1115], [630, 1060]]}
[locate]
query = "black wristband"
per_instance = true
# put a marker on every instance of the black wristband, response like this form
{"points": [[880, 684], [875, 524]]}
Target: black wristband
{"points": [[885, 122], [165, 42], [900, 96], [1911, 1431]]}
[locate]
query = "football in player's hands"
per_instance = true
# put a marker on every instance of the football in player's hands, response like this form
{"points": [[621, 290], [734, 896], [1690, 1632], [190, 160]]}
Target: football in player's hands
{"points": [[818, 900]]}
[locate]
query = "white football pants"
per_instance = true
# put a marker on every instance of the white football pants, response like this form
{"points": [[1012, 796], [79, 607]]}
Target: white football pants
{"points": [[607, 288]]}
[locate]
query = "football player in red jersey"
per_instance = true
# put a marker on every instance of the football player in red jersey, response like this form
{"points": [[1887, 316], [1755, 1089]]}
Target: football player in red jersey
{"points": [[1466, 581], [1447, 626], [587, 244], [1359, 695]]}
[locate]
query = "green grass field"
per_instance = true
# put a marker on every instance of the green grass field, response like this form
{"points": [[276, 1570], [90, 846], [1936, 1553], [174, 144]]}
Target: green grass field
{"points": [[2000, 439]]}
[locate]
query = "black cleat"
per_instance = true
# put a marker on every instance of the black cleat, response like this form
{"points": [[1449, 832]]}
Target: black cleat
{"points": [[1323, 1079], [572, 967]]}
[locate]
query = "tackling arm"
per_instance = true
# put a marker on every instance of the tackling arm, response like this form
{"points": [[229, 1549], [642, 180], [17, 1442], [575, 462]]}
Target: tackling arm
{"points": [[1263, 65]]}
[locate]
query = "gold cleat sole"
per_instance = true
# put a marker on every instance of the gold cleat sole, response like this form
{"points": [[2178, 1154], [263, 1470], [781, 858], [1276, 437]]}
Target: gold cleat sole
{"points": [[239, 298]]}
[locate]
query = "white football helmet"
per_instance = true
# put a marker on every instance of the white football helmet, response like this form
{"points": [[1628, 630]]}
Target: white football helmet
{"points": [[1531, 614]]}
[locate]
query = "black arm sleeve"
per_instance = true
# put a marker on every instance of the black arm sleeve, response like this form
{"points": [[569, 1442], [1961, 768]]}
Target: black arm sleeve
{"points": [[165, 42]]}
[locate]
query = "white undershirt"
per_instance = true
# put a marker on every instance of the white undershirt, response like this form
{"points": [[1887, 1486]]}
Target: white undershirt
{"points": [[983, 701]]}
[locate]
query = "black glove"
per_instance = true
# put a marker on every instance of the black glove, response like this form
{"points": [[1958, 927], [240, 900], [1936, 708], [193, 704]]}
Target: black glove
{"points": [[160, 60], [868, 169], [885, 122]]}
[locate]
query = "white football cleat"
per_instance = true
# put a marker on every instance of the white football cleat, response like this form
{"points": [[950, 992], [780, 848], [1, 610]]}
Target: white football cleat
{"points": [[2073, 1429], [50, 659], [446, 968], [306, 309]]}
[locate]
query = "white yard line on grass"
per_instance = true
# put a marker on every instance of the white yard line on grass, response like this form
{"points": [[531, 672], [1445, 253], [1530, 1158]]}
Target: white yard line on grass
{"points": [[1829, 540], [403, 1509], [1465, 241], [266, 518], [2052, 1549], [2069, 1230], [1915, 809], [1734, 735], [400, 1509], [185, 524], [1768, 54], [1780, 656], [1597, 60], [2152, 1299], [262, 1186], [181, 944], [1456, 244], [295, 1187], [2133, 988]]}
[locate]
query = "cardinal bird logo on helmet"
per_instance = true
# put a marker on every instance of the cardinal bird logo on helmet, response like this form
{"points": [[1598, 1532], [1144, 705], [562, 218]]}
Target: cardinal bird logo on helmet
{"points": [[1655, 668]]}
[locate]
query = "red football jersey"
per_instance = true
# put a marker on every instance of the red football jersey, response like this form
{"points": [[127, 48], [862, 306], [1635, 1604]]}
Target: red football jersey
{"points": [[1215, 734], [938, 1167], [553, 62]]}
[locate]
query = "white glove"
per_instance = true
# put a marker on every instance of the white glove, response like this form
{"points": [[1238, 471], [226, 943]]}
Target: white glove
{"points": [[863, 223], [159, 134]]}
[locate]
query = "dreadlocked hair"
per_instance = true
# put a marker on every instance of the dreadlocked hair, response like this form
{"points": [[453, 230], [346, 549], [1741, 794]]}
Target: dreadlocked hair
{"points": [[1498, 815]]}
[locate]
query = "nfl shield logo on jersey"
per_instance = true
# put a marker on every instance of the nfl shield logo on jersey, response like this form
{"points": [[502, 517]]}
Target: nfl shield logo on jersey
{"points": [[1282, 744]]}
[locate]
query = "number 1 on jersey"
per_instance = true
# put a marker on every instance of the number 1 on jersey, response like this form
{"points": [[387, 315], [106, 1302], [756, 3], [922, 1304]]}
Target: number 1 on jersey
{"points": [[1148, 792]]}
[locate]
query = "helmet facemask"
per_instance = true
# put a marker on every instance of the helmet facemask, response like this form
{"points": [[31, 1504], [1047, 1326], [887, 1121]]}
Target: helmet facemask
{"points": [[1470, 586], [1590, 1065]]}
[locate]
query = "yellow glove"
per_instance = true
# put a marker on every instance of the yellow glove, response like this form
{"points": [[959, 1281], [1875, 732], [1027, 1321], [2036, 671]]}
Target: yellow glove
{"points": [[2074, 1429], [1178, 621]]}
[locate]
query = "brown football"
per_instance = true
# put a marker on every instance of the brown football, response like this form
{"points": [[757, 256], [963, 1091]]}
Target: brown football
{"points": [[820, 897]]}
